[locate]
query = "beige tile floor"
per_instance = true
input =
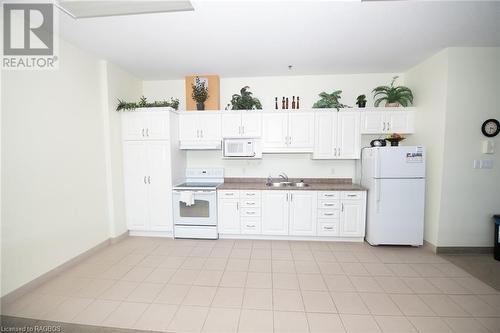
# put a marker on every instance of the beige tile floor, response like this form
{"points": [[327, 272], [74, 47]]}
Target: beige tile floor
{"points": [[265, 286]]}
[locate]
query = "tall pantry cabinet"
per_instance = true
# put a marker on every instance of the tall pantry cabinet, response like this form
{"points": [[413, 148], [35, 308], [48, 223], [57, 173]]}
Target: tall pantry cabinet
{"points": [[149, 151]]}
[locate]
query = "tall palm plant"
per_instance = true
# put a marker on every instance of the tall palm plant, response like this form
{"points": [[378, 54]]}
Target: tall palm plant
{"points": [[393, 96]]}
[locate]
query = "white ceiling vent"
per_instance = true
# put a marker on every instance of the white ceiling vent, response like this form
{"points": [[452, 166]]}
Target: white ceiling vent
{"points": [[88, 8]]}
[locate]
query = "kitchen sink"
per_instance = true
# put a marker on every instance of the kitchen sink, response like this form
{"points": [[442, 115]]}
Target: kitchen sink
{"points": [[287, 184]]}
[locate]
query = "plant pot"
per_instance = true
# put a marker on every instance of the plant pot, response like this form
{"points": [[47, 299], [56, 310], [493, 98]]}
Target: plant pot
{"points": [[392, 105], [361, 104], [394, 142], [200, 106]]}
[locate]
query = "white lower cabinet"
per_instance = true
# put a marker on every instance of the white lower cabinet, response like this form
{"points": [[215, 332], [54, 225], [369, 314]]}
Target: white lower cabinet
{"points": [[303, 209], [292, 213], [275, 212]]}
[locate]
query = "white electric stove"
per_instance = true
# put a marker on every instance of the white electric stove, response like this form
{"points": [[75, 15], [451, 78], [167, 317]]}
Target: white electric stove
{"points": [[195, 203]]}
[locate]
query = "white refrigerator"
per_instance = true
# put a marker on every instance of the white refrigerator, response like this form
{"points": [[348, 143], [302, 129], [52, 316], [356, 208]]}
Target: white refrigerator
{"points": [[395, 178]]}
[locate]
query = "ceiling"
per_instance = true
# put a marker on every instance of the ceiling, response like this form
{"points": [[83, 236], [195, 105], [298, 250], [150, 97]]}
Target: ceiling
{"points": [[261, 38]]}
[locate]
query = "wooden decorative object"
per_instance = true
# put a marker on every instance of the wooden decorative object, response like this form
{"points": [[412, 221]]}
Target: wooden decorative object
{"points": [[213, 101]]}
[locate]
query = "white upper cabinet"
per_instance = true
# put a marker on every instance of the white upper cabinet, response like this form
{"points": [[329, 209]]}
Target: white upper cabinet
{"points": [[288, 132], [241, 124], [199, 130], [146, 124], [303, 211], [337, 135], [387, 121], [275, 212]]}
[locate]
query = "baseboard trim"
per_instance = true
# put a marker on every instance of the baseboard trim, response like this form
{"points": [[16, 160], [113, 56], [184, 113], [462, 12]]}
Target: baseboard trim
{"points": [[37, 282], [464, 250], [293, 238], [151, 233], [429, 246]]}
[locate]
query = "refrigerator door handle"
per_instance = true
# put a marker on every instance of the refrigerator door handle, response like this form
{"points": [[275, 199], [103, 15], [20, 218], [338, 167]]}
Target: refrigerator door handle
{"points": [[377, 191]]}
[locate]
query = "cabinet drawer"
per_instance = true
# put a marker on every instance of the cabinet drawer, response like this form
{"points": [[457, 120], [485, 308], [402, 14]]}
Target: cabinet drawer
{"points": [[329, 204], [250, 212], [250, 194], [249, 203], [330, 195], [352, 195], [250, 225], [229, 194], [328, 214], [328, 227]]}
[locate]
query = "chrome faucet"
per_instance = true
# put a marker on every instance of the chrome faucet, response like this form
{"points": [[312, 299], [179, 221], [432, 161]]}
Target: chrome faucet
{"points": [[284, 176]]}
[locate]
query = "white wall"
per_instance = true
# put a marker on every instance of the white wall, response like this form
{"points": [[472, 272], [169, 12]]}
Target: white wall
{"points": [[266, 89], [456, 90], [118, 84], [54, 194], [429, 83], [470, 196]]}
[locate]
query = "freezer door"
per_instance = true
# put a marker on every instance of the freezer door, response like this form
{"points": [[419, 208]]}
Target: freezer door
{"points": [[400, 162], [396, 212]]}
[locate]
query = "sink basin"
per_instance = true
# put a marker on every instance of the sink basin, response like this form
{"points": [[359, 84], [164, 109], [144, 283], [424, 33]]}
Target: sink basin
{"points": [[287, 184], [301, 184], [279, 184]]}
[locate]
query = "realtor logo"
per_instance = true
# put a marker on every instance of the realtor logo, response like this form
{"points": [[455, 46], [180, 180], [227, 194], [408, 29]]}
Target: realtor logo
{"points": [[29, 36]]}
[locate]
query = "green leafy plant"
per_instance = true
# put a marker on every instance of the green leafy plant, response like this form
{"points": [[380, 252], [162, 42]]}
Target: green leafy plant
{"points": [[330, 101], [392, 95], [361, 101], [143, 103], [245, 101], [200, 91]]}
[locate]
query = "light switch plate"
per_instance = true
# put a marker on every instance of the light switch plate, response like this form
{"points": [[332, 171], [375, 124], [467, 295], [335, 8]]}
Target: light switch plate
{"points": [[488, 147], [477, 164]]}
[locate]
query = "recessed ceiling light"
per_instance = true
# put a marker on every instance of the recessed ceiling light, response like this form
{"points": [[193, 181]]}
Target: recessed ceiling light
{"points": [[89, 8]]}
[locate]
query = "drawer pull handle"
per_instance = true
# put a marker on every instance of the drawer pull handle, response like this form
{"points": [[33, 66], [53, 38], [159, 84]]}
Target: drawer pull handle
{"points": [[328, 214], [250, 213], [250, 194], [352, 195], [328, 228], [250, 225], [229, 194], [250, 203], [329, 205], [329, 195]]}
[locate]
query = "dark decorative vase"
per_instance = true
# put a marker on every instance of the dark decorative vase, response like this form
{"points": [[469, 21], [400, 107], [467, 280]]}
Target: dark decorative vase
{"points": [[200, 106], [362, 104]]}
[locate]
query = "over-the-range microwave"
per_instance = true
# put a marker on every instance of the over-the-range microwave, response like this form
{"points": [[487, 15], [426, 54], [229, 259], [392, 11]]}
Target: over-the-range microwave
{"points": [[242, 147]]}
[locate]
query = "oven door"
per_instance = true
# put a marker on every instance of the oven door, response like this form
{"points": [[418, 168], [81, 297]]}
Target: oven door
{"points": [[202, 213]]}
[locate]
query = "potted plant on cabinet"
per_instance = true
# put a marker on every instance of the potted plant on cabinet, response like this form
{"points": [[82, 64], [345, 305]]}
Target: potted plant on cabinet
{"points": [[200, 93], [329, 101], [393, 96], [395, 138], [245, 100], [361, 101]]}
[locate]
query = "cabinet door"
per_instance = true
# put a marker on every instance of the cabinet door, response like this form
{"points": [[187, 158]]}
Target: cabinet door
{"points": [[372, 122], [348, 136], [324, 133], [158, 126], [301, 131], [228, 216], [210, 127], [134, 125], [159, 190], [231, 124], [274, 132], [303, 210], [275, 212], [135, 182], [399, 122], [352, 219], [188, 127], [251, 122]]}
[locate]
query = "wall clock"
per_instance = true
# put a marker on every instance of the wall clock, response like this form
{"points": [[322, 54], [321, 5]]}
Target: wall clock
{"points": [[490, 128]]}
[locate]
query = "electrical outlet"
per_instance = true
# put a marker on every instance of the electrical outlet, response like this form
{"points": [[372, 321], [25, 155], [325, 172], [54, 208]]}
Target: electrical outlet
{"points": [[477, 164], [332, 171]]}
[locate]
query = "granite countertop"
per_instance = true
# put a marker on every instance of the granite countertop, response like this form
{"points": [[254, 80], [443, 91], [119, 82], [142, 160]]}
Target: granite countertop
{"points": [[315, 184]]}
